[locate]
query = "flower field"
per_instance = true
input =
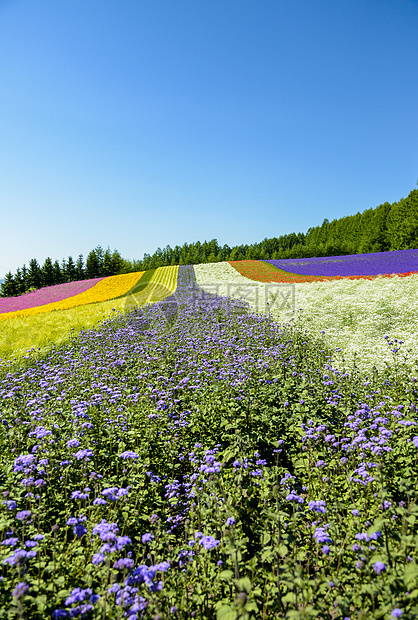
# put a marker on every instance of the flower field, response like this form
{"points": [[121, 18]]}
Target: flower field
{"points": [[40, 331], [46, 295], [355, 314], [190, 459], [379, 263], [105, 289]]}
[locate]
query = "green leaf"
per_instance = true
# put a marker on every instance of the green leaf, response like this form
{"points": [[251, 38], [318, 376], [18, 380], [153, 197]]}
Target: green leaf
{"points": [[226, 613], [63, 593], [267, 554], [282, 550], [226, 574], [410, 574], [243, 584]]}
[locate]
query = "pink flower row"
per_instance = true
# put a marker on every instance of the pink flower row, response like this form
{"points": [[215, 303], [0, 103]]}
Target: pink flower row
{"points": [[46, 295]]}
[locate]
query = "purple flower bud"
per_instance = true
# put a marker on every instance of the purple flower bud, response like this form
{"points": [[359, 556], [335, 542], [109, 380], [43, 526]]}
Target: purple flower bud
{"points": [[379, 567], [147, 537]]}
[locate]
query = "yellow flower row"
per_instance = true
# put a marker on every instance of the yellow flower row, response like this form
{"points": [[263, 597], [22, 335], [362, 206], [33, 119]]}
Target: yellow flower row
{"points": [[161, 283], [109, 288]]}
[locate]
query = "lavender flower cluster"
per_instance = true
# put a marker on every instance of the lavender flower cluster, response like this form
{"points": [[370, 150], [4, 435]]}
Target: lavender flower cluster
{"points": [[373, 264]]}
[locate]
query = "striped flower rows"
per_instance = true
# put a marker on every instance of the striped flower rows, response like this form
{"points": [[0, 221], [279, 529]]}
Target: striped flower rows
{"points": [[108, 288], [46, 295], [269, 271], [38, 331]]}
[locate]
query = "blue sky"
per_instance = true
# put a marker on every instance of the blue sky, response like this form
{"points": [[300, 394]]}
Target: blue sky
{"points": [[137, 124]]}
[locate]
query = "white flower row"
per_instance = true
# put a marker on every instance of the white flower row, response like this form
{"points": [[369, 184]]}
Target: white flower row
{"points": [[355, 314]]}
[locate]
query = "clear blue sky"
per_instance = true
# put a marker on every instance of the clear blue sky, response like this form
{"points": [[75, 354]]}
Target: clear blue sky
{"points": [[137, 124]]}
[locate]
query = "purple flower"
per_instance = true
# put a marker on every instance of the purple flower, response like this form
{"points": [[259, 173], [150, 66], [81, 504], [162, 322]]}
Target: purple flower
{"points": [[162, 566], [99, 501], [22, 515], [23, 461], [124, 564], [98, 558], [105, 530], [11, 504], [399, 261], [293, 497], [78, 596], [321, 535], [396, 613], [83, 454], [147, 537], [379, 567], [325, 550], [355, 512], [10, 541], [18, 556], [209, 542], [79, 530], [128, 454], [20, 590], [317, 506], [120, 542], [79, 495], [230, 521], [73, 443]]}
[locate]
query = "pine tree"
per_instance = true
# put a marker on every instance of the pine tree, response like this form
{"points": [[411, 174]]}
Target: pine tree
{"points": [[19, 282], [58, 277], [8, 287], [79, 268], [93, 264], [48, 276], [117, 262], [64, 270], [34, 274], [70, 270], [107, 266], [24, 279]]}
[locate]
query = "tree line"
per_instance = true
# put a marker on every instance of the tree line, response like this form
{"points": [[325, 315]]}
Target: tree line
{"points": [[99, 263], [386, 227]]}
